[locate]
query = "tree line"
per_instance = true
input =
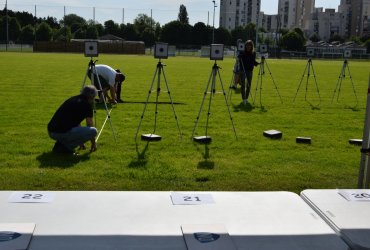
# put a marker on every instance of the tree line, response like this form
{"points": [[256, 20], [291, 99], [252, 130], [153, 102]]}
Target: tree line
{"points": [[23, 27]]}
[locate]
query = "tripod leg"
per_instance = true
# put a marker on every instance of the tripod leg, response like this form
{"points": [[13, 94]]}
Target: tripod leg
{"points": [[201, 106], [87, 72], [353, 86], [232, 83], [338, 86], [273, 81], [157, 96], [146, 102], [101, 130], [173, 107], [259, 77], [299, 85], [317, 85], [227, 104], [105, 103], [211, 96]]}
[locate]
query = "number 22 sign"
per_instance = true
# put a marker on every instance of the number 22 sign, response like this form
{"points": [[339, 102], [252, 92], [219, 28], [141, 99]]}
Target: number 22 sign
{"points": [[31, 197]]}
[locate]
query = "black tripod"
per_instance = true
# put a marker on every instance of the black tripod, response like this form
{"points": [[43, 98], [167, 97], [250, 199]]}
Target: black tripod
{"points": [[340, 79], [237, 70], [211, 88], [92, 70], [308, 69], [261, 73], [152, 136]]}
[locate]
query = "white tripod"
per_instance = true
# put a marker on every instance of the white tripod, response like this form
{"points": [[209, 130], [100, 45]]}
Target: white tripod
{"points": [[92, 70]]}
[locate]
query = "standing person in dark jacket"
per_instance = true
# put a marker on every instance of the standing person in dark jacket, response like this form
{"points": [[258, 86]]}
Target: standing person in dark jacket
{"points": [[248, 62], [65, 125]]}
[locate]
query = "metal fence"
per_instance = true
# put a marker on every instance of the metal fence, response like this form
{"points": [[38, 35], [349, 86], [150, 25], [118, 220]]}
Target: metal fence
{"points": [[196, 51], [120, 13]]}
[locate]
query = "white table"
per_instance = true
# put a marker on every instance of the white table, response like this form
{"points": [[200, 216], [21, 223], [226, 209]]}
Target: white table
{"points": [[350, 219], [149, 220]]}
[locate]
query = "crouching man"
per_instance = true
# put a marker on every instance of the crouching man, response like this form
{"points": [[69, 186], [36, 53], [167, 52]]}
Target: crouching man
{"points": [[65, 125]]}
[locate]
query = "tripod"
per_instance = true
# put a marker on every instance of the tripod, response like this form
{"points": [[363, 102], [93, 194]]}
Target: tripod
{"points": [[211, 88], [261, 72], [158, 71], [308, 68], [237, 67], [340, 79], [91, 68]]}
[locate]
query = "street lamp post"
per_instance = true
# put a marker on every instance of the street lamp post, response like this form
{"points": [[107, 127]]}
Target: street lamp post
{"points": [[213, 30], [7, 25]]}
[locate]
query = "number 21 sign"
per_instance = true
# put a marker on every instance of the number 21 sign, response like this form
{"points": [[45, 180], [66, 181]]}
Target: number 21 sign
{"points": [[191, 199]]}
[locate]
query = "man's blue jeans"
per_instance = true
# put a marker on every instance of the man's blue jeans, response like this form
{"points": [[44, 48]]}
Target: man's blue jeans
{"points": [[75, 137]]}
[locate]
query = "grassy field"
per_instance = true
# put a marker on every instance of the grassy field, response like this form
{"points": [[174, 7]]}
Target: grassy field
{"points": [[34, 85]]}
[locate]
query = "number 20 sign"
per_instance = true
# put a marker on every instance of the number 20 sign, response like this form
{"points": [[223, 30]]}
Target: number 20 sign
{"points": [[355, 195], [31, 197]]}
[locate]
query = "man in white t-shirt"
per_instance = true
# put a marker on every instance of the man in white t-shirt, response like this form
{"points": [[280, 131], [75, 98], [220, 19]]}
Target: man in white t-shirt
{"points": [[110, 79]]}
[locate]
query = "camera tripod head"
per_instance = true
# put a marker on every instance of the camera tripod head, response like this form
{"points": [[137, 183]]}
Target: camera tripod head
{"points": [[92, 62]]}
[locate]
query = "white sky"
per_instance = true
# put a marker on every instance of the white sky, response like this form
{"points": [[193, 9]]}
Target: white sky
{"points": [[163, 11]]}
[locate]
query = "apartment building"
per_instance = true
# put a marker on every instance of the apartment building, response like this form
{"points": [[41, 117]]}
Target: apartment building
{"points": [[326, 23], [295, 13], [360, 21], [235, 13]]}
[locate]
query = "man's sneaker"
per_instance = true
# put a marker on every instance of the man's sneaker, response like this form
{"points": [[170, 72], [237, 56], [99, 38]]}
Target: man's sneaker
{"points": [[60, 148], [119, 101]]}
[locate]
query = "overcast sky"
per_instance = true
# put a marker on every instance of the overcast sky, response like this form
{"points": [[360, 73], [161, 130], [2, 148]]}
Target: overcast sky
{"points": [[162, 11]]}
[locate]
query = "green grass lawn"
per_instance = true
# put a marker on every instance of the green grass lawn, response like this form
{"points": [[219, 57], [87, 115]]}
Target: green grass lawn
{"points": [[34, 85]]}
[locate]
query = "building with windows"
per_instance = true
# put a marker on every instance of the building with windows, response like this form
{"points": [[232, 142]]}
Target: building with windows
{"points": [[235, 13], [325, 24], [295, 13], [360, 17]]}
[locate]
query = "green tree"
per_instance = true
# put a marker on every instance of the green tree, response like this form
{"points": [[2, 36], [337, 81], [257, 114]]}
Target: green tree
{"points": [[293, 41], [201, 34], [14, 29], [367, 44], [80, 34], [315, 37], [250, 29], [176, 33], [110, 27], [92, 32], [128, 32], [44, 32], [223, 36], [72, 19], [3, 28], [183, 15], [143, 22], [27, 34], [63, 34], [238, 33]]}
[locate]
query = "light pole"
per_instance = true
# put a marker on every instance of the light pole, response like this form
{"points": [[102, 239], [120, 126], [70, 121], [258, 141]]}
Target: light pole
{"points": [[213, 30], [7, 25]]}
